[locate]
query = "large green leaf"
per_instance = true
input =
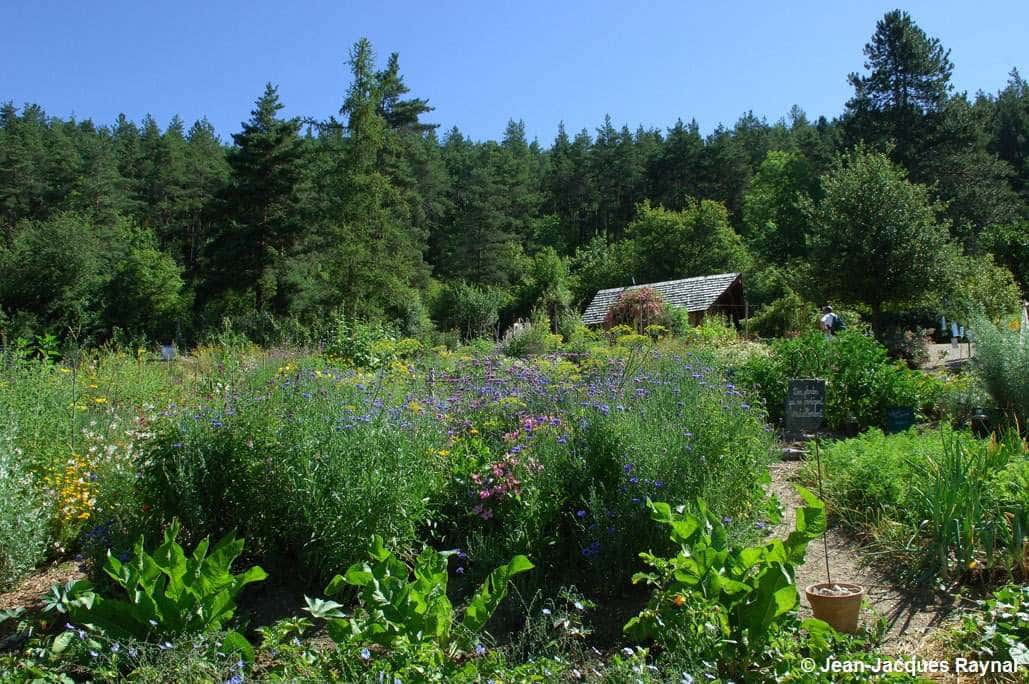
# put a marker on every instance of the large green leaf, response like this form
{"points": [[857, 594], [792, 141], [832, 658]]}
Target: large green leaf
{"points": [[491, 593], [774, 595]]}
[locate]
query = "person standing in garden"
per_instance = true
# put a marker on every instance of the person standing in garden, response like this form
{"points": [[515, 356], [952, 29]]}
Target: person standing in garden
{"points": [[829, 321]]}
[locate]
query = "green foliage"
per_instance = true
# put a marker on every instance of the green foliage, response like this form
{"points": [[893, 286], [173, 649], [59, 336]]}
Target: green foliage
{"points": [[167, 593], [861, 382], [698, 240], [785, 316], [875, 237], [530, 338], [934, 502], [1002, 362], [1009, 245], [754, 586], [773, 208], [714, 331], [361, 344], [983, 289], [998, 629], [24, 519], [408, 607], [472, 310]]}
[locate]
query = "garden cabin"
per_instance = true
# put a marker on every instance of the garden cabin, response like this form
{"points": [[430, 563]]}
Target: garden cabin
{"points": [[720, 294]]}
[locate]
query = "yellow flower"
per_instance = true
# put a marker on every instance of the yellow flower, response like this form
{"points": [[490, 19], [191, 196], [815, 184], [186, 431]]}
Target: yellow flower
{"points": [[100, 400], [65, 370], [679, 601], [443, 452], [414, 407], [472, 431]]}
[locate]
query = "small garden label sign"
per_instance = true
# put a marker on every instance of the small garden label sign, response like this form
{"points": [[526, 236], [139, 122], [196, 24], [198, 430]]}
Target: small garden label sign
{"points": [[805, 404]]}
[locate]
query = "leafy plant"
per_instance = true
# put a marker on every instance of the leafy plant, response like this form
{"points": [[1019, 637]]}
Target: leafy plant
{"points": [[999, 630], [167, 593], [861, 382], [751, 590], [939, 503], [403, 605]]}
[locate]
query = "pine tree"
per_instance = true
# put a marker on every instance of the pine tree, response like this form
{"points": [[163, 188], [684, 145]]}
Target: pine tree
{"points": [[260, 213]]}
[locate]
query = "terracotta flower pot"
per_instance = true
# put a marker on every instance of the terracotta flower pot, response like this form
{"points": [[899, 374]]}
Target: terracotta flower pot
{"points": [[838, 604]]}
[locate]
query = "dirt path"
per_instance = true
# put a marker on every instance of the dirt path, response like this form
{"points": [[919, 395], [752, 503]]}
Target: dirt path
{"points": [[28, 592], [910, 618]]}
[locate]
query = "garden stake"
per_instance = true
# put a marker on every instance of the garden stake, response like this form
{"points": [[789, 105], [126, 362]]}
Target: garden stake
{"points": [[825, 542]]}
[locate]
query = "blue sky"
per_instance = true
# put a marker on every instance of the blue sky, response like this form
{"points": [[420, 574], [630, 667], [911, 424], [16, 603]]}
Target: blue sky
{"points": [[480, 63]]}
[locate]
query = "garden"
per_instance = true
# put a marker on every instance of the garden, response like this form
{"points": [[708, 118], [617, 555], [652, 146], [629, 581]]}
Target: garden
{"points": [[381, 511]]}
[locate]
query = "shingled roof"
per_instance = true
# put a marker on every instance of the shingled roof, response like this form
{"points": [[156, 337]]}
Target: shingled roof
{"points": [[692, 294]]}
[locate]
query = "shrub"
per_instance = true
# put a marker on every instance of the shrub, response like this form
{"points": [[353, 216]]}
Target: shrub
{"points": [[787, 315], [861, 382], [24, 516], [637, 308], [473, 310], [751, 591], [529, 338], [360, 344], [291, 466], [713, 331], [1002, 361]]}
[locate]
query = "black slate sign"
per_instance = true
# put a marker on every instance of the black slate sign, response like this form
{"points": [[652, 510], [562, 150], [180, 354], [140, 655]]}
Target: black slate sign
{"points": [[805, 405]]}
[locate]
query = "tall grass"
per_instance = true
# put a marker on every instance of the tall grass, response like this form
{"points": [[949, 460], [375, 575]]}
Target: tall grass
{"points": [[1002, 361]]}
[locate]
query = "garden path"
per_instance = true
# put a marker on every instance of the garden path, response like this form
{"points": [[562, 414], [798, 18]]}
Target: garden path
{"points": [[909, 618]]}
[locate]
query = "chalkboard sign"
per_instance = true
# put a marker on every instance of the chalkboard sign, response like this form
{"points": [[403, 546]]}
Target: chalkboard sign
{"points": [[805, 405], [899, 419]]}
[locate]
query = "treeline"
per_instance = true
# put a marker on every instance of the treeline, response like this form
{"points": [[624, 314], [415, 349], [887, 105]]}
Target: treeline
{"points": [[915, 198]]}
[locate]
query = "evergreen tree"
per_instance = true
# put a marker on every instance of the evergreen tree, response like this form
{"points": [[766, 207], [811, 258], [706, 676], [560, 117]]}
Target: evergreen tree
{"points": [[261, 209], [905, 90]]}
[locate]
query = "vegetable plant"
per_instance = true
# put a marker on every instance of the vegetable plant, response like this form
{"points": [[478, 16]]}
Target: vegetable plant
{"points": [[748, 592], [167, 593], [403, 606]]}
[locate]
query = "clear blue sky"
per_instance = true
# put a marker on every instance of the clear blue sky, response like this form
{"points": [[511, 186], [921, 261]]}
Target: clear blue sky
{"points": [[479, 62]]}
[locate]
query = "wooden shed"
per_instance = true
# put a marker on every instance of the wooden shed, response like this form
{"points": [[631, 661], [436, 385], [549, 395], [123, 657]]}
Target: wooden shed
{"points": [[713, 294]]}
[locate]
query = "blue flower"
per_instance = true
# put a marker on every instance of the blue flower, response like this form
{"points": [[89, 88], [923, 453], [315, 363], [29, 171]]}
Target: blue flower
{"points": [[580, 514], [366, 654], [480, 650]]}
